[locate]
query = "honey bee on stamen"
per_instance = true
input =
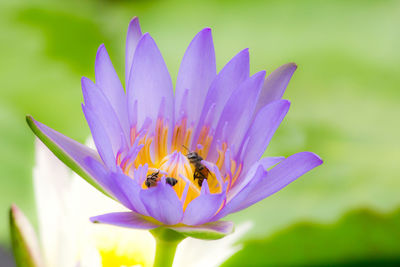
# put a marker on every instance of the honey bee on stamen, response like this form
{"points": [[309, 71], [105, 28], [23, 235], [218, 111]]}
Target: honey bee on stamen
{"points": [[200, 171], [171, 181], [153, 178]]}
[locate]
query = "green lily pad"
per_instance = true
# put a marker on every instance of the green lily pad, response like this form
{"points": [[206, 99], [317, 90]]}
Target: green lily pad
{"points": [[360, 238]]}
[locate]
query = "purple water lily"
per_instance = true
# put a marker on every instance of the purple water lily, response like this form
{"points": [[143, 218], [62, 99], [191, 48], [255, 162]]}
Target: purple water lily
{"points": [[184, 161]]}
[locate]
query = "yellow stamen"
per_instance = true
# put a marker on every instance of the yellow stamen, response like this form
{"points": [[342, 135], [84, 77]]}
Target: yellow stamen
{"points": [[132, 135], [164, 146], [118, 158], [161, 145], [176, 165], [236, 172], [188, 136], [221, 156], [206, 146]]}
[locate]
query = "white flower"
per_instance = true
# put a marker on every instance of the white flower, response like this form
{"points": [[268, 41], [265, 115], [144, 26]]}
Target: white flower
{"points": [[68, 239]]}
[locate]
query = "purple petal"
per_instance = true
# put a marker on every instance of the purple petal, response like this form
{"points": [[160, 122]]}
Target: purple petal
{"points": [[132, 190], [268, 162], [108, 181], [203, 208], [284, 173], [275, 85], [149, 82], [98, 103], [121, 187], [233, 204], [261, 131], [100, 138], [237, 114], [107, 80], [211, 230], [163, 204], [132, 39], [72, 153], [125, 219], [196, 73], [227, 80], [244, 180], [266, 184]]}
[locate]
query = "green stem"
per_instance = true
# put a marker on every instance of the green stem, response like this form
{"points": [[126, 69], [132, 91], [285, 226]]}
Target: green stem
{"points": [[166, 242], [165, 253]]}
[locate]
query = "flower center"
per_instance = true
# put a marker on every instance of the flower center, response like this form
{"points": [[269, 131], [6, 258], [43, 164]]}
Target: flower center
{"points": [[168, 155]]}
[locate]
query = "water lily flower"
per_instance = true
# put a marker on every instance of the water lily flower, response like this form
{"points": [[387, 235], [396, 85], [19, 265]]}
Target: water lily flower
{"points": [[68, 239], [180, 162]]}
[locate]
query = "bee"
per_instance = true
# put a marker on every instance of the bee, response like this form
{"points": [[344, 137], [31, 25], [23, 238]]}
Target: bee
{"points": [[171, 181], [200, 171], [152, 179]]}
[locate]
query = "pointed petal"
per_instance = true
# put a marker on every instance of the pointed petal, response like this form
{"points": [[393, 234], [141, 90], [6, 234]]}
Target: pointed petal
{"points": [[261, 131], [269, 162], [121, 187], [275, 85], [196, 73], [100, 137], [149, 82], [102, 109], [202, 209], [237, 113], [131, 190], [107, 80], [162, 204], [245, 180], [265, 184], [126, 219], [207, 231], [227, 80], [283, 174], [67, 150], [132, 39], [239, 194], [108, 181], [25, 245]]}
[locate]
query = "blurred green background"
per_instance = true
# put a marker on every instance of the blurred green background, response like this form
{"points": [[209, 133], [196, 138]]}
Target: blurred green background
{"points": [[345, 107]]}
